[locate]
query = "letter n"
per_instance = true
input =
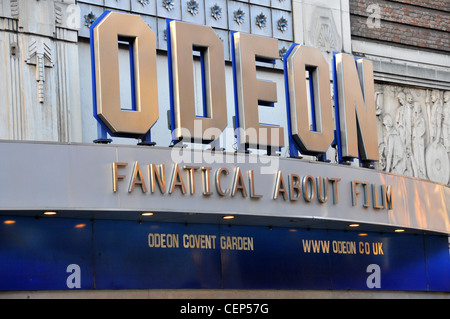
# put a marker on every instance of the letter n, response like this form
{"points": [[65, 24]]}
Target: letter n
{"points": [[355, 114]]}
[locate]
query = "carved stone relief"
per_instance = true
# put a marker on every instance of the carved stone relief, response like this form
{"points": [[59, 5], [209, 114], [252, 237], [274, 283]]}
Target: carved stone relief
{"points": [[39, 66], [414, 131], [323, 32]]}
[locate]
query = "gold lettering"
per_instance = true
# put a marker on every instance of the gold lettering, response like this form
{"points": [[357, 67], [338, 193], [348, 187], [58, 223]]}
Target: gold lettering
{"points": [[107, 75], [364, 248], [251, 179], [176, 180], [183, 37], [236, 243], [251, 91], [355, 193], [375, 197], [322, 195], [116, 177], [163, 240], [137, 178], [206, 181], [160, 178], [309, 195], [334, 182], [356, 108], [190, 174], [300, 60], [344, 247], [366, 195], [377, 248], [238, 183], [280, 187], [388, 198], [219, 173], [294, 187], [199, 241]]}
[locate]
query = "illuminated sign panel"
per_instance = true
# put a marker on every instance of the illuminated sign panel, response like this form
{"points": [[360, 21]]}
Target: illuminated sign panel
{"points": [[355, 124], [110, 254]]}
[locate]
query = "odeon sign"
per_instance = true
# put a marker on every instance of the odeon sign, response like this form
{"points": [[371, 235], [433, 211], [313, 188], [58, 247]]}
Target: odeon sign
{"points": [[356, 133]]}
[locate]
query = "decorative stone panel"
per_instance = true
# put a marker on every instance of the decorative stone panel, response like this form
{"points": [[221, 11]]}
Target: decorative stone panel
{"points": [[271, 18], [414, 131]]}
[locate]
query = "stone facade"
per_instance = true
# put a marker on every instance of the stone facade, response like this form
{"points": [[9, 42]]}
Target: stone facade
{"points": [[39, 67], [45, 65], [414, 131]]}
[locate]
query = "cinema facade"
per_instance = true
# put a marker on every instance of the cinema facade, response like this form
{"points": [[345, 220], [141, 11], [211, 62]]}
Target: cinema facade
{"points": [[238, 149]]}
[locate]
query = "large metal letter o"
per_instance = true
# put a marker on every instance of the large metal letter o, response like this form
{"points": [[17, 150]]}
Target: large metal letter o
{"points": [[106, 33]]}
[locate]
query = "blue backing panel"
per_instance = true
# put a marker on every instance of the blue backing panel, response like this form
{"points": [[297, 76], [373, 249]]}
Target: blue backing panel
{"points": [[125, 260], [438, 262], [400, 258], [275, 261], [35, 253]]}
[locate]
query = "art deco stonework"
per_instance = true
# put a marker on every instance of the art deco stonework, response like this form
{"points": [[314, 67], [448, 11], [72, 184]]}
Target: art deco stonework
{"points": [[270, 18], [39, 64], [414, 131]]}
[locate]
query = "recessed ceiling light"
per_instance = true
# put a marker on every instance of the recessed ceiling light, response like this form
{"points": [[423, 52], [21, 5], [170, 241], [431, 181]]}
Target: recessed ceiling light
{"points": [[362, 234], [399, 230], [353, 225], [9, 222], [228, 217], [147, 214], [50, 213]]}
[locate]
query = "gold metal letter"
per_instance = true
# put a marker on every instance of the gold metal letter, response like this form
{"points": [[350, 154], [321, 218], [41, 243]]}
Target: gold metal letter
{"points": [[357, 108], [106, 50], [116, 177], [137, 178], [366, 194], [294, 184], [355, 193], [160, 178], [206, 181], [334, 182], [322, 191], [375, 197], [251, 179], [191, 177], [177, 180], [299, 61], [388, 198], [183, 37], [251, 91], [218, 182], [280, 187], [238, 183], [306, 195]]}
